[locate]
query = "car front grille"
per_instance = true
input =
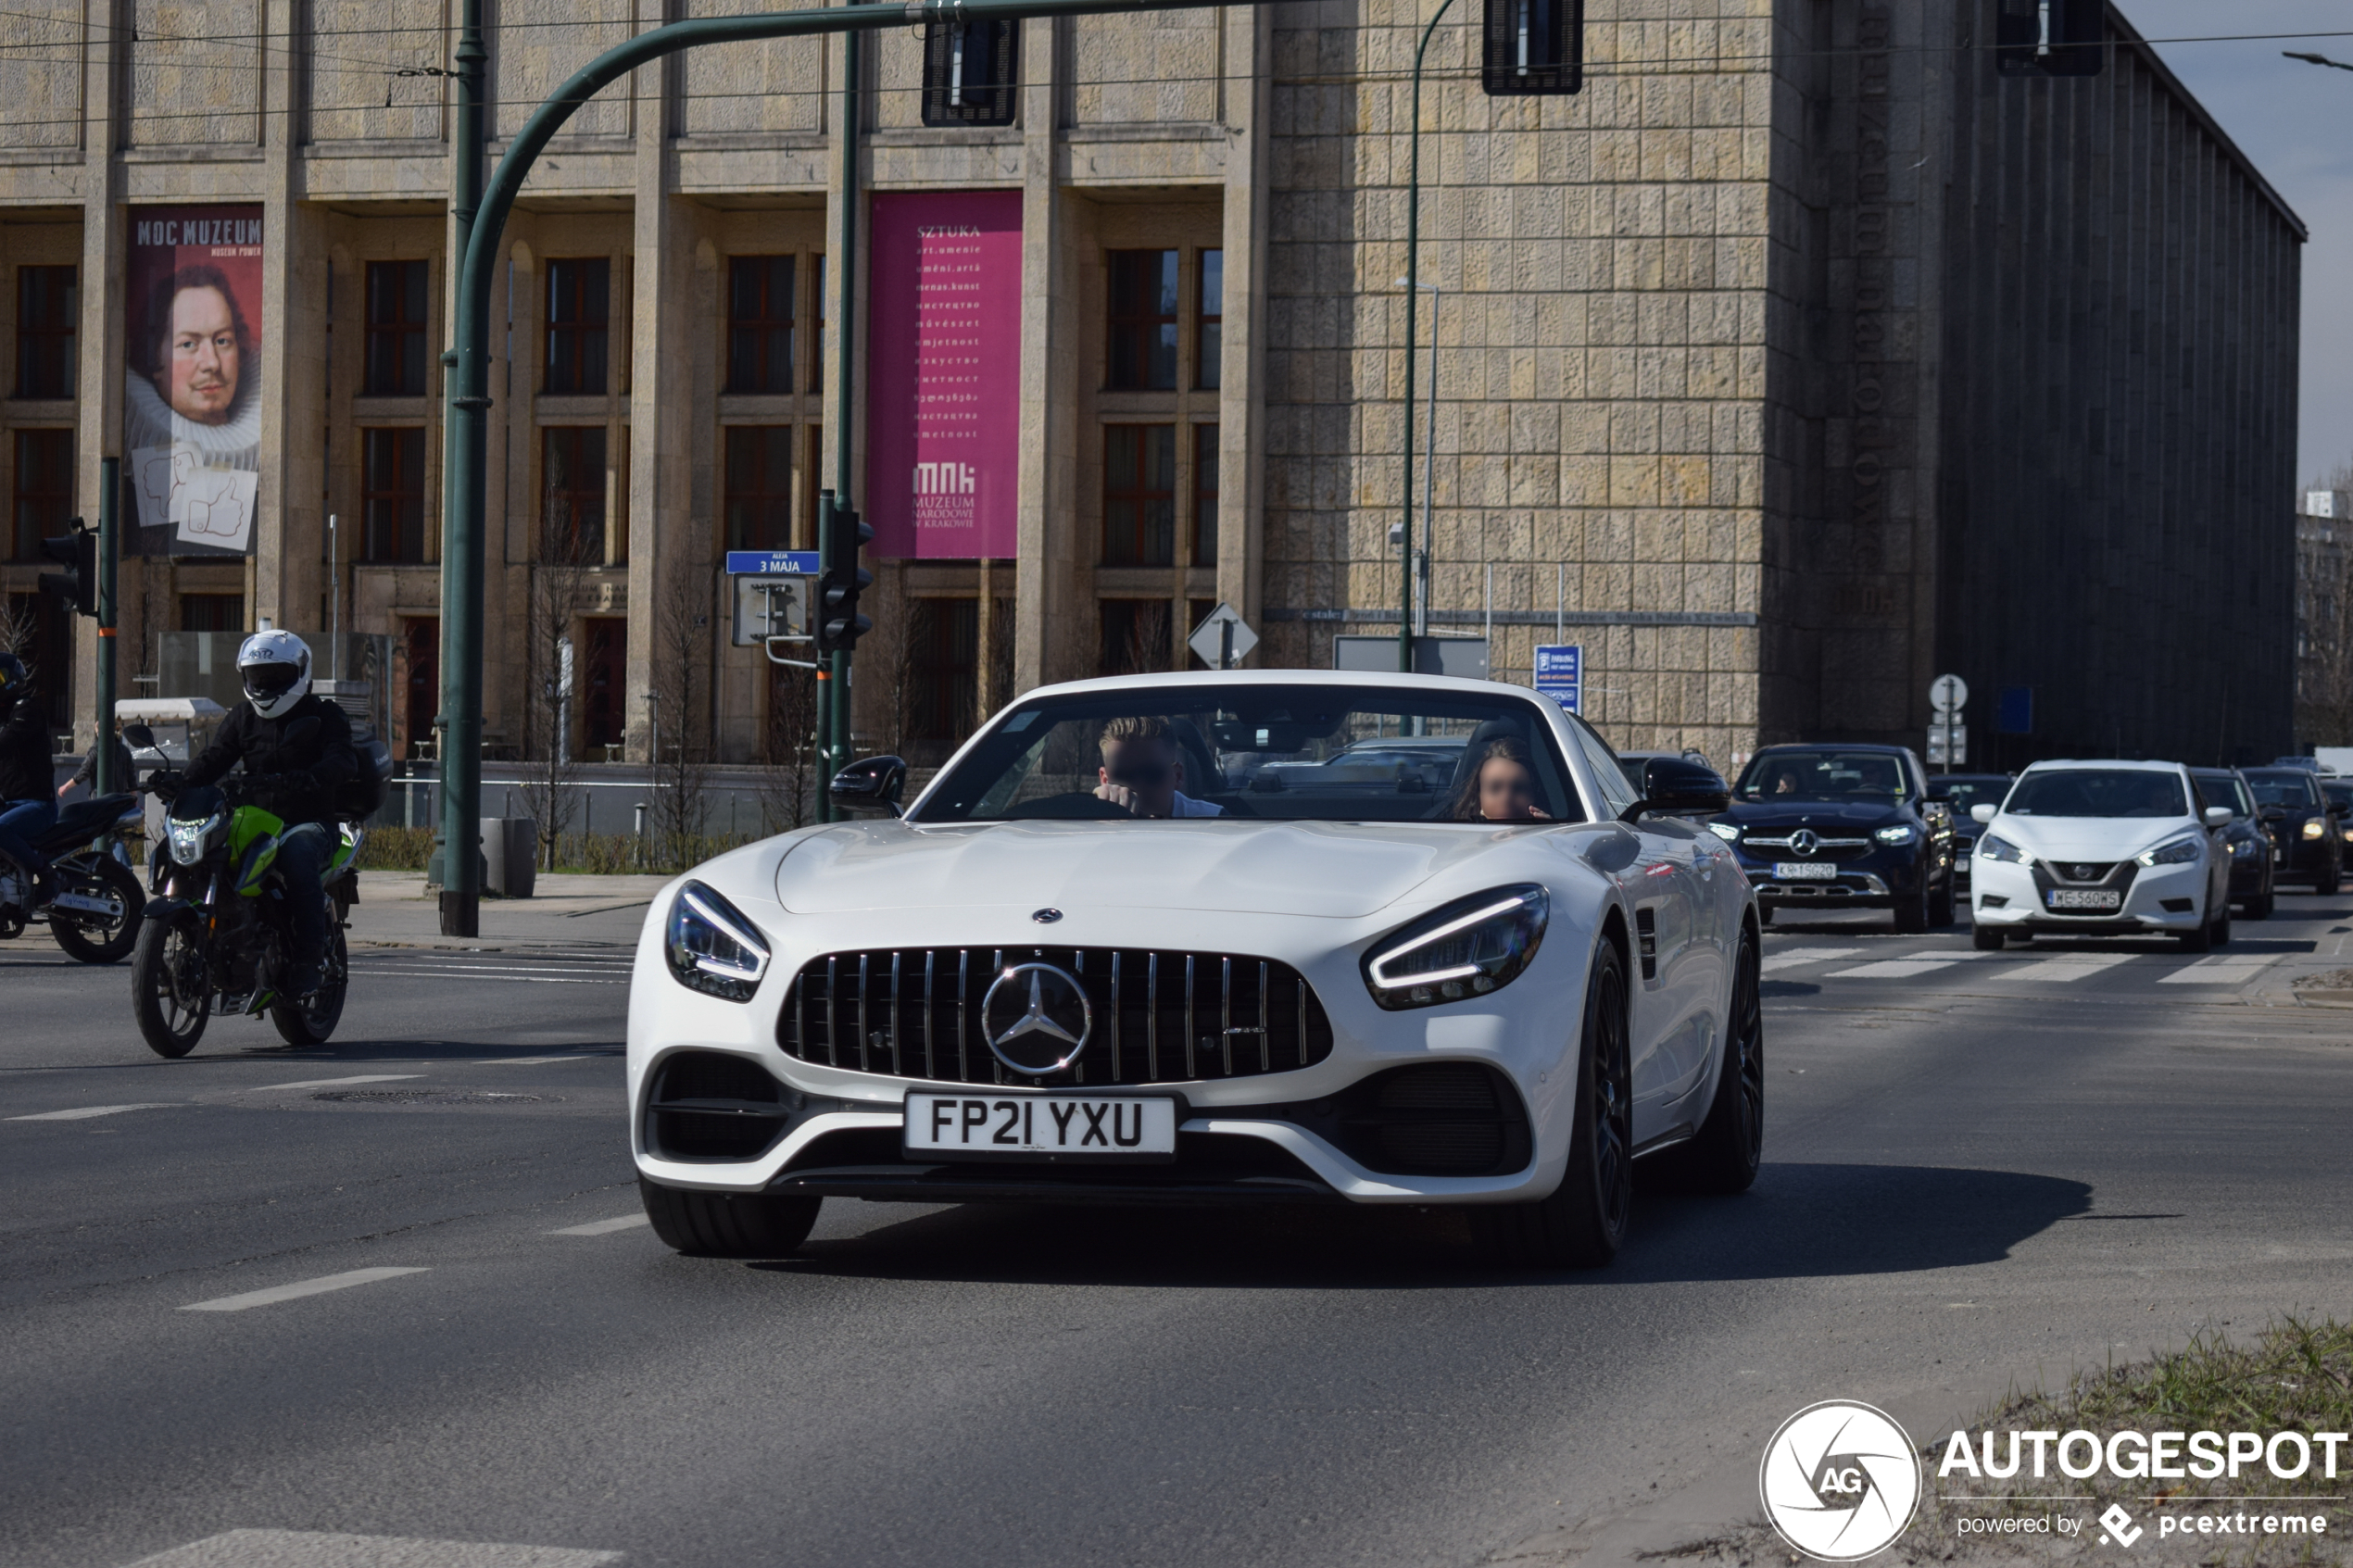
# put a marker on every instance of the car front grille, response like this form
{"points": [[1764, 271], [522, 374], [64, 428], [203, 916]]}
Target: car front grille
{"points": [[1160, 1017]]}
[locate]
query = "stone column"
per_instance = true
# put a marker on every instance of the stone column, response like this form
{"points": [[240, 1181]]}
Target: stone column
{"points": [[1045, 592], [667, 544], [1242, 416], [290, 525]]}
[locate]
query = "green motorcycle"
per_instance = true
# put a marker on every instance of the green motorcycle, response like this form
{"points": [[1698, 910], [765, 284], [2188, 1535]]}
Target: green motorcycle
{"points": [[216, 935]]}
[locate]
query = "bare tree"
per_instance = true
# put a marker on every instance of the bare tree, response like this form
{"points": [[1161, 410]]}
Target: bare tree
{"points": [[18, 622], [681, 796], [1001, 653], [788, 749], [561, 592]]}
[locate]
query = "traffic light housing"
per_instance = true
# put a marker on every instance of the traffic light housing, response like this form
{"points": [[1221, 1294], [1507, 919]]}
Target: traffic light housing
{"points": [[2050, 37], [1533, 48], [76, 585], [838, 624]]}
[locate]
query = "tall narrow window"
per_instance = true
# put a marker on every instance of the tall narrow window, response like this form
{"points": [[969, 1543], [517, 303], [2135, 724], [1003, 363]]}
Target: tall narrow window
{"points": [[398, 294], [970, 72], [48, 311], [1534, 47], [579, 324], [44, 498], [1140, 494], [760, 323], [760, 487], [1143, 320], [1135, 637], [943, 638], [1209, 318], [212, 612], [817, 314], [392, 496], [572, 493], [1204, 494]]}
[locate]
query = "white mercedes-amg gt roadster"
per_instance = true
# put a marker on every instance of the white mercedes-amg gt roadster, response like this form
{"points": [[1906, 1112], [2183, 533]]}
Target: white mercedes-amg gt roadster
{"points": [[1265, 936]]}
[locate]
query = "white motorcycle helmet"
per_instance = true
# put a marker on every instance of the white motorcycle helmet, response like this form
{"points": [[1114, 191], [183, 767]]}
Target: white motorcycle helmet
{"points": [[275, 667]]}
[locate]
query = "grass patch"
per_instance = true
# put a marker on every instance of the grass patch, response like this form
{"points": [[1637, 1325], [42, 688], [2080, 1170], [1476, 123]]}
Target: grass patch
{"points": [[593, 854]]}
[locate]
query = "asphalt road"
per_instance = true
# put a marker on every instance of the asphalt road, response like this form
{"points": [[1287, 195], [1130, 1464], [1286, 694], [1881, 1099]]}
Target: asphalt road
{"points": [[1980, 1168]]}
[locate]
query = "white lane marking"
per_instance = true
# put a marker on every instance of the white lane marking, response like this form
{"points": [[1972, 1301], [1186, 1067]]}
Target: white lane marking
{"points": [[2230, 969], [333, 1083], [276, 1293], [1796, 955], [507, 979], [604, 1227], [530, 1060], [2064, 968], [305, 1548], [85, 1113], [1890, 969], [439, 967]]}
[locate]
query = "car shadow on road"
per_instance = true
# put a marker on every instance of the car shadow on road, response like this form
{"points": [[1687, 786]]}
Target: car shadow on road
{"points": [[1799, 1220]]}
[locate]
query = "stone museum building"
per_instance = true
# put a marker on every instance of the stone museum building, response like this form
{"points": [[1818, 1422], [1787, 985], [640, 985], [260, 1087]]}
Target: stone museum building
{"points": [[1808, 352]]}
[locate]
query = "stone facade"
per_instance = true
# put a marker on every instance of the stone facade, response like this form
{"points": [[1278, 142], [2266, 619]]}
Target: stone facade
{"points": [[1796, 359]]}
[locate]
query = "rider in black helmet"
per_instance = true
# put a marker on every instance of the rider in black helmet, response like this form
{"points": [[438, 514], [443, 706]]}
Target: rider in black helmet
{"points": [[28, 778]]}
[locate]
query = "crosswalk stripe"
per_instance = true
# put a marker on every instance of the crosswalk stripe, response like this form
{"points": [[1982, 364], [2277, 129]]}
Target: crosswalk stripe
{"points": [[1792, 958], [2229, 970], [1892, 969], [2065, 968]]}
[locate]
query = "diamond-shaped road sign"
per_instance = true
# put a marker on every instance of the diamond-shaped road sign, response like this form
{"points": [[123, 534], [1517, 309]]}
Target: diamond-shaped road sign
{"points": [[1210, 639]]}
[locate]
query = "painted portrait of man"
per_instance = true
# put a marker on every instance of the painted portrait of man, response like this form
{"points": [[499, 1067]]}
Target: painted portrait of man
{"points": [[191, 391]]}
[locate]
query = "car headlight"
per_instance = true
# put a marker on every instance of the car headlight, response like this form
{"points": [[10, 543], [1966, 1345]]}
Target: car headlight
{"points": [[2315, 826], [188, 839], [2245, 848], [1994, 847], [1468, 947], [1902, 832], [711, 948], [2174, 851], [1731, 834]]}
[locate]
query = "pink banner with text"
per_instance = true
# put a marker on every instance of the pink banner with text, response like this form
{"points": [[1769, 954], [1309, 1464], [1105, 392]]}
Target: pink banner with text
{"points": [[943, 447]]}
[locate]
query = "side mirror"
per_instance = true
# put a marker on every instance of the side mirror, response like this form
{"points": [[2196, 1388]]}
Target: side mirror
{"points": [[1672, 787], [870, 783], [138, 734], [2218, 816], [1983, 811]]}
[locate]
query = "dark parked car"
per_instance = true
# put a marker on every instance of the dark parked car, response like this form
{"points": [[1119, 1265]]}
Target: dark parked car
{"points": [[1959, 791], [1842, 827], [2340, 794], [2307, 832], [2248, 844]]}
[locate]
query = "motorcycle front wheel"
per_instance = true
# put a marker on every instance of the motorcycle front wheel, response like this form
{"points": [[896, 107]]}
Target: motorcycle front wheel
{"points": [[167, 965], [109, 943], [310, 1022]]}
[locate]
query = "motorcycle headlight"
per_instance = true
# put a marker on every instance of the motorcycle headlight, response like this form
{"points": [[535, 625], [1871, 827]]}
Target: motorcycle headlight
{"points": [[711, 948], [2174, 851], [1466, 949], [1729, 833], [1994, 847], [2315, 826], [1902, 832], [189, 839]]}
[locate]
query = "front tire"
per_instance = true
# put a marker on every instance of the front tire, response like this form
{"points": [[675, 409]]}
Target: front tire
{"points": [[728, 1224], [169, 995], [2331, 877], [1583, 1223], [311, 1022], [1912, 915], [1724, 1155], [1940, 906], [111, 943], [1987, 938]]}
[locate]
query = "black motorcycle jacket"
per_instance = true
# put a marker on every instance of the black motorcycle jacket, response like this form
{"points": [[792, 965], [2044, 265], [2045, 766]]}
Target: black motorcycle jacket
{"points": [[293, 763], [26, 772]]}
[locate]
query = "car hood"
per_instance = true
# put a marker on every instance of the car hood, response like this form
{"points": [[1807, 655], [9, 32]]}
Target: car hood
{"points": [[1814, 814], [2088, 838], [1336, 870]]}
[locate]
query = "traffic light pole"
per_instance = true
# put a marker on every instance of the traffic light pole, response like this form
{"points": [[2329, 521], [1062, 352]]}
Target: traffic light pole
{"points": [[837, 662], [1413, 297], [468, 389], [109, 554]]}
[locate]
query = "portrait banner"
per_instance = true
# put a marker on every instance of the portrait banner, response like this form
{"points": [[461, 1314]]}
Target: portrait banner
{"points": [[943, 447], [192, 389]]}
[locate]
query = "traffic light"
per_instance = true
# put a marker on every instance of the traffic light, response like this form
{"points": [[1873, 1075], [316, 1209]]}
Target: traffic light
{"points": [[970, 72], [2050, 37], [838, 624], [1534, 47], [78, 584]]}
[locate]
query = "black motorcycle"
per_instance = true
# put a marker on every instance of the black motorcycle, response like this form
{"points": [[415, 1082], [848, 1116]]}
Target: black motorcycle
{"points": [[95, 911], [217, 936]]}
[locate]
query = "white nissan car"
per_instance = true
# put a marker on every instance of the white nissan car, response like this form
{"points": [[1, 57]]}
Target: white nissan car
{"points": [[2102, 849], [1197, 938]]}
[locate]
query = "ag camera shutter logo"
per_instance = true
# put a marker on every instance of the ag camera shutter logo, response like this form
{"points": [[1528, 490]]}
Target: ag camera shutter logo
{"points": [[1840, 1481]]}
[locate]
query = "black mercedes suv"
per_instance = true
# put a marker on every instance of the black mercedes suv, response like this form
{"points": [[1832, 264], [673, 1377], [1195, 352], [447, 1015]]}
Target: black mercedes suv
{"points": [[1842, 827], [2304, 825]]}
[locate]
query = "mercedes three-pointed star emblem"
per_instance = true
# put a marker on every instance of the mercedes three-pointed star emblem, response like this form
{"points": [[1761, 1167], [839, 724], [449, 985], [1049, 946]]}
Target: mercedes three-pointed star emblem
{"points": [[1039, 1038]]}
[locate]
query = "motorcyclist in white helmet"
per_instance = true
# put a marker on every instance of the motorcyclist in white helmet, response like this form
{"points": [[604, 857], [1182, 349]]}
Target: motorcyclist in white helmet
{"points": [[296, 748]]}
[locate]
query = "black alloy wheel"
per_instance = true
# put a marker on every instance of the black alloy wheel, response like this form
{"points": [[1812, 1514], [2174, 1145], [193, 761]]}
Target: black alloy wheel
{"points": [[1583, 1223], [12, 921], [1724, 1155], [169, 995], [112, 941]]}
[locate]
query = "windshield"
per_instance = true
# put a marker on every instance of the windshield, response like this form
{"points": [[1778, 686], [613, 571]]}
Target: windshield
{"points": [[2224, 789], [1966, 793], [1290, 753], [2338, 793], [2283, 786], [1868, 776], [2098, 791]]}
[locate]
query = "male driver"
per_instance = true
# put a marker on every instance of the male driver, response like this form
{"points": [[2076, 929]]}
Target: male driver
{"points": [[1142, 768]]}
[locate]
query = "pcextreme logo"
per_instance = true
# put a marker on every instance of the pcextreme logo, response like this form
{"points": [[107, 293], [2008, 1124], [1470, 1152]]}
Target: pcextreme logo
{"points": [[1840, 1480]]}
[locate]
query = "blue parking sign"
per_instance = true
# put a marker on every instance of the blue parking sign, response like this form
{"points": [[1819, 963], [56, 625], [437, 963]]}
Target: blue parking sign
{"points": [[1560, 673]]}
